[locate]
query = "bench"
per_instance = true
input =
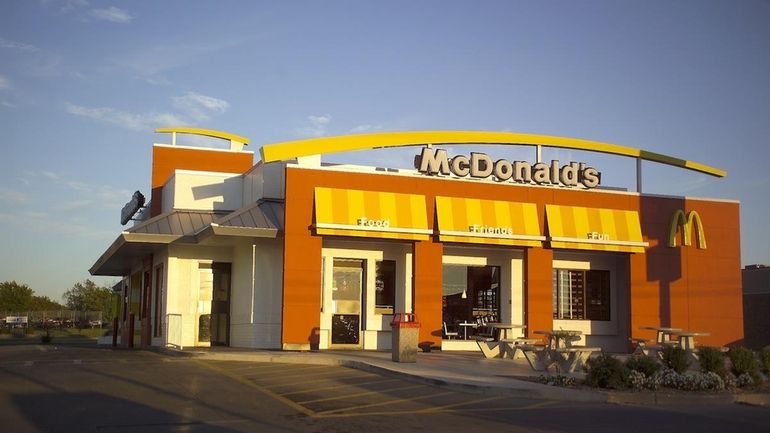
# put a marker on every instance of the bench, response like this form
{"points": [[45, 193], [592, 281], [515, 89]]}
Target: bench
{"points": [[572, 358], [510, 346], [639, 345], [539, 357], [490, 349], [507, 348]]}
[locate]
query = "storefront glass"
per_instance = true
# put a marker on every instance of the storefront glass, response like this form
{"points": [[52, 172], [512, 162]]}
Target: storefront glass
{"points": [[581, 295], [347, 280], [385, 287], [471, 294]]}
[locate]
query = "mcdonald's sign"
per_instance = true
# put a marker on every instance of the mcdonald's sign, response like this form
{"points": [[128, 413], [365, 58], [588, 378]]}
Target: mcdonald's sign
{"points": [[686, 223]]}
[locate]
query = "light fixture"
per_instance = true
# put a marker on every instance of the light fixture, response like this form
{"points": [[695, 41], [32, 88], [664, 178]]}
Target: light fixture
{"points": [[465, 294]]}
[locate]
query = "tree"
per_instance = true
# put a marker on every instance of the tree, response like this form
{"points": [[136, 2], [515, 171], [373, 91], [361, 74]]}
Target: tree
{"points": [[87, 296], [43, 303], [14, 297]]}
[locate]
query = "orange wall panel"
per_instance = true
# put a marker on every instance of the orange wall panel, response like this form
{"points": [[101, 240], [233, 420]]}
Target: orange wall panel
{"points": [[538, 290], [427, 290]]}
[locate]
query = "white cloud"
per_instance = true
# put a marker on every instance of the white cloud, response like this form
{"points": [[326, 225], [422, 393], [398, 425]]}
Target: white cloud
{"points": [[136, 122], [112, 14], [13, 45], [4, 83], [10, 196], [365, 128], [66, 5], [200, 107], [81, 195], [317, 127]]}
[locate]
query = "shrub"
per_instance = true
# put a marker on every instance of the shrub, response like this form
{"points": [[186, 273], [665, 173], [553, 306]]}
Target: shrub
{"points": [[558, 380], [765, 357], [607, 372], [744, 363], [711, 361], [692, 381], [675, 358], [643, 364]]}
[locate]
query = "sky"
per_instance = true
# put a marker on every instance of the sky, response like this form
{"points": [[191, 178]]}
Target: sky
{"points": [[84, 83]]}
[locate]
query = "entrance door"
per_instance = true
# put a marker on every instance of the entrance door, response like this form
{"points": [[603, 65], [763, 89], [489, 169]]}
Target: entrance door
{"points": [[348, 280], [220, 305]]}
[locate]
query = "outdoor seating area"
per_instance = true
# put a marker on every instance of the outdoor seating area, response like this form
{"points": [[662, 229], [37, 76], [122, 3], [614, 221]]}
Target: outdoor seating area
{"points": [[557, 349], [667, 336]]}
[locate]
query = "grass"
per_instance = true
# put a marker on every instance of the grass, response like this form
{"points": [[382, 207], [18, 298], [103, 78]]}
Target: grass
{"points": [[59, 336]]}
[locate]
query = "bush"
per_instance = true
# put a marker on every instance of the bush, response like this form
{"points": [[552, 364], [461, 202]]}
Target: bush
{"points": [[765, 357], [643, 364], [607, 372], [744, 363], [712, 361], [675, 358]]}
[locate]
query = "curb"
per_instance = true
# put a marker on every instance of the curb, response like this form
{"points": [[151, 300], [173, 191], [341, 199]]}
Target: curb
{"points": [[531, 390]]}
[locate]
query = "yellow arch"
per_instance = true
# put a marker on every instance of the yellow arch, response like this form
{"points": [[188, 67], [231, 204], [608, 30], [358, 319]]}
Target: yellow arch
{"points": [[677, 221], [686, 223], [693, 220], [206, 132], [319, 146]]}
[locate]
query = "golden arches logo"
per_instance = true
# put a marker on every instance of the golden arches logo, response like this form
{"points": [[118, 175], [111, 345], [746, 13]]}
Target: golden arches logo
{"points": [[686, 223]]}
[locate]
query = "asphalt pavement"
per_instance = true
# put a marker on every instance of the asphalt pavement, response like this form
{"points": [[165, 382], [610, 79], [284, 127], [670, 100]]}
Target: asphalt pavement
{"points": [[76, 389]]}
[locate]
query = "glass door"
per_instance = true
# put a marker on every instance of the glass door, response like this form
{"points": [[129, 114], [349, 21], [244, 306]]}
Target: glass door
{"points": [[220, 305], [347, 284]]}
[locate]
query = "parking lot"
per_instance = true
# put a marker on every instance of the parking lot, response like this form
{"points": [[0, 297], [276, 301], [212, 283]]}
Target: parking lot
{"points": [[66, 389]]}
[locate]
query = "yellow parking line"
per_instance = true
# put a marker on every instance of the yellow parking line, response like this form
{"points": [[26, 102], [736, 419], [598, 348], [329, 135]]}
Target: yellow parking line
{"points": [[315, 378], [242, 380], [361, 394], [302, 371], [462, 403], [382, 403], [338, 386], [490, 409]]}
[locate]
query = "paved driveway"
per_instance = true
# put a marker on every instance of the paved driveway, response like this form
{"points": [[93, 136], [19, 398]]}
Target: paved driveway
{"points": [[66, 389]]}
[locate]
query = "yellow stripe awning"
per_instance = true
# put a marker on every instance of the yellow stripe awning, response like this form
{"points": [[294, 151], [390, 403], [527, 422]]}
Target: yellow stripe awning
{"points": [[370, 214], [586, 228], [488, 222]]}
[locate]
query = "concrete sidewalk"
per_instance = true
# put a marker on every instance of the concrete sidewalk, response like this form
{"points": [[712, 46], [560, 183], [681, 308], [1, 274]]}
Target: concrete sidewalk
{"points": [[470, 371]]}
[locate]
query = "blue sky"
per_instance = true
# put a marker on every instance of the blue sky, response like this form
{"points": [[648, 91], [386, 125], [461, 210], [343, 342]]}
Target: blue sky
{"points": [[83, 84]]}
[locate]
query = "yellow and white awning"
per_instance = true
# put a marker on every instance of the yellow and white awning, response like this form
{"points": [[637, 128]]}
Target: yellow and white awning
{"points": [[488, 222], [371, 214], [586, 228]]}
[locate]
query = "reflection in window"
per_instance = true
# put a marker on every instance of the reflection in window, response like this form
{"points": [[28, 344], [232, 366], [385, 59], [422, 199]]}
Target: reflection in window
{"points": [[470, 294], [347, 282], [581, 295], [385, 287]]}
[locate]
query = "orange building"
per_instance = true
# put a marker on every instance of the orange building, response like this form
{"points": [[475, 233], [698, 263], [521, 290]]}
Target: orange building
{"points": [[319, 256]]}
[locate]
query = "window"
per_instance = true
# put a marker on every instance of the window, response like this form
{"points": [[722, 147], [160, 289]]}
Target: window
{"points": [[470, 293], [157, 328], [385, 287], [581, 295]]}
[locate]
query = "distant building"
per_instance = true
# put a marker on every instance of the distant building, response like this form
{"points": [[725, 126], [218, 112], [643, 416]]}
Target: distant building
{"points": [[756, 305]]}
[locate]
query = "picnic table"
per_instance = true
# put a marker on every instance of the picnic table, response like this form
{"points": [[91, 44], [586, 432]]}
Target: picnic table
{"points": [[560, 338], [662, 334], [559, 351], [505, 329], [687, 339]]}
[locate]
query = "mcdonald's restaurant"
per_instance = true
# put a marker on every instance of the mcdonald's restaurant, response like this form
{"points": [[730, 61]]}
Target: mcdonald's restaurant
{"points": [[295, 253]]}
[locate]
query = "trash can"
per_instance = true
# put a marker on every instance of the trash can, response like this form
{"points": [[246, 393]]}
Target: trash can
{"points": [[405, 330]]}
